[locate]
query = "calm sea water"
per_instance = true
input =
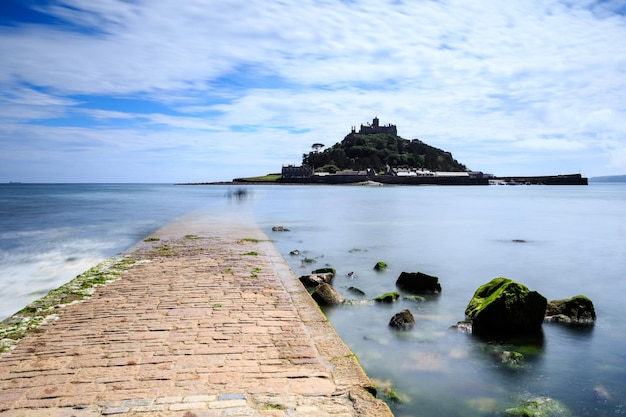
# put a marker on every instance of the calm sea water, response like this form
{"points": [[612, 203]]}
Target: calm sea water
{"points": [[560, 241]]}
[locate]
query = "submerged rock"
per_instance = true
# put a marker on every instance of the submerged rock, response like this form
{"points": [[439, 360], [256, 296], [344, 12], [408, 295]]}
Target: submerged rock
{"points": [[418, 283], [539, 407], [415, 298], [326, 295], [505, 307], [279, 229], [463, 326], [578, 309], [355, 290], [601, 394], [390, 297], [403, 320]]}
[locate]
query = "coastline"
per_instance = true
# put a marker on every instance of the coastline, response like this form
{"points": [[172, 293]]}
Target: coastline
{"points": [[203, 290]]}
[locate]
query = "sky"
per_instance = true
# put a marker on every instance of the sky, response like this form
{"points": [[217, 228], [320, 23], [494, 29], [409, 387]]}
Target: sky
{"points": [[210, 90]]}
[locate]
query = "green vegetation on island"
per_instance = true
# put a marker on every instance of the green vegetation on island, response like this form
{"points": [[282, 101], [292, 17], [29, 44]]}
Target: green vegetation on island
{"points": [[359, 151]]}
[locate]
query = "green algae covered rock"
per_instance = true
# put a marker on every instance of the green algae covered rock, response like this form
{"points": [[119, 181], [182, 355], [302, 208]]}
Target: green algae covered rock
{"points": [[539, 407], [505, 307], [327, 270], [390, 297], [380, 266]]}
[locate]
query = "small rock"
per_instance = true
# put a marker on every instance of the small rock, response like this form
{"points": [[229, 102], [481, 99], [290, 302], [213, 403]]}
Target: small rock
{"points": [[325, 271], [390, 297], [313, 280], [463, 327], [325, 294], [356, 291], [380, 266], [403, 320], [578, 309], [279, 229], [294, 252], [418, 283]]}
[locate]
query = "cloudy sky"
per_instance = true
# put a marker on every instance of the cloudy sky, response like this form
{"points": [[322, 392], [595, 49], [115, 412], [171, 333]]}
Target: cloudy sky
{"points": [[208, 90]]}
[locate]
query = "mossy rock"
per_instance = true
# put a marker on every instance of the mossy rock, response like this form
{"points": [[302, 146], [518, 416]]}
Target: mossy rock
{"points": [[325, 271], [539, 407], [578, 309], [380, 266], [505, 307], [390, 297]]}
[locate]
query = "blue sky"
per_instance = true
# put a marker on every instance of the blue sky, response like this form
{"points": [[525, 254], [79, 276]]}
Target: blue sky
{"points": [[209, 90]]}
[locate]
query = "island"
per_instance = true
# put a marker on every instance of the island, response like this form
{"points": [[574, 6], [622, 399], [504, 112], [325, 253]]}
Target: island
{"points": [[375, 154]]}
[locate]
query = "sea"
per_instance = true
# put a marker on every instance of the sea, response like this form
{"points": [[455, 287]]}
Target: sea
{"points": [[558, 240]]}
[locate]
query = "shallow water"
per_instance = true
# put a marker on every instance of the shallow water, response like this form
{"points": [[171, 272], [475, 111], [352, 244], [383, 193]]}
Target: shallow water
{"points": [[560, 241]]}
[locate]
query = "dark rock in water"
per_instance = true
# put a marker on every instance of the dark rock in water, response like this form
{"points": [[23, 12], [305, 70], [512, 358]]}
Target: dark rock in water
{"points": [[505, 307], [418, 283], [325, 271], [578, 309], [326, 295], [403, 320], [279, 229], [380, 266], [390, 297], [539, 407], [313, 280], [356, 291], [294, 252]]}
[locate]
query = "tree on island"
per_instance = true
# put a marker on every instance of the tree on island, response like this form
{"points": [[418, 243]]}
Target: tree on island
{"points": [[317, 146]]}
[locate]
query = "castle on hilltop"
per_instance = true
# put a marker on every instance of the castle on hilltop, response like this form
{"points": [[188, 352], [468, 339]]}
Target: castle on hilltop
{"points": [[375, 127]]}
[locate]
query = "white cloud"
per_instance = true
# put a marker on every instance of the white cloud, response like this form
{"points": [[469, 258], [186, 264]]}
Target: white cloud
{"points": [[497, 78]]}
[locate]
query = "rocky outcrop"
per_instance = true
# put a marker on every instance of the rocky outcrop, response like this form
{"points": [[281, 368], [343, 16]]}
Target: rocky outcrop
{"points": [[403, 320], [326, 295], [313, 280], [505, 307], [418, 283], [578, 310]]}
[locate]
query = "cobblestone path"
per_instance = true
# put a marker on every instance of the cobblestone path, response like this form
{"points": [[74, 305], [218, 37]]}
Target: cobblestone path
{"points": [[210, 321]]}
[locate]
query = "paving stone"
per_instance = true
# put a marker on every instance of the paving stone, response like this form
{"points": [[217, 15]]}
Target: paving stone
{"points": [[115, 410]]}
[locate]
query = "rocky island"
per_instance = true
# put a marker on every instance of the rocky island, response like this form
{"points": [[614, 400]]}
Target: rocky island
{"points": [[375, 154]]}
